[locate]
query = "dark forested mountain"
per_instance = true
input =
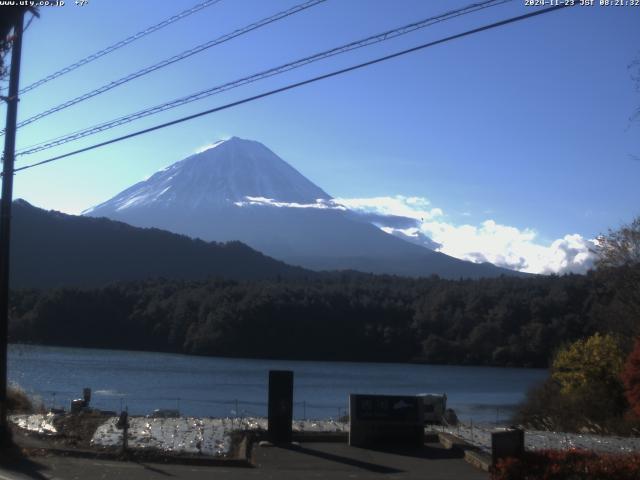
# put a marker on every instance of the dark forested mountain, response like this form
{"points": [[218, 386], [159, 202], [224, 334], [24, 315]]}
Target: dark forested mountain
{"points": [[240, 190], [54, 249]]}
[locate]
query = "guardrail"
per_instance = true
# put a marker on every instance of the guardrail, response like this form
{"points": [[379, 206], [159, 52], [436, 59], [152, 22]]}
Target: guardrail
{"points": [[223, 407]]}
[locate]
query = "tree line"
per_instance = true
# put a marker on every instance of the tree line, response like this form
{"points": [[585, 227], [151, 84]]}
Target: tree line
{"points": [[502, 321]]}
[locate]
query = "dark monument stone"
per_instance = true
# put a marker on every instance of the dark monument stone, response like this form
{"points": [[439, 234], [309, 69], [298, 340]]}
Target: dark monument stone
{"points": [[508, 442], [385, 420], [280, 405]]}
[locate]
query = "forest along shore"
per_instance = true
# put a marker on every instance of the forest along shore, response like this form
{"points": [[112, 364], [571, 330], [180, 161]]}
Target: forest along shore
{"points": [[350, 317]]}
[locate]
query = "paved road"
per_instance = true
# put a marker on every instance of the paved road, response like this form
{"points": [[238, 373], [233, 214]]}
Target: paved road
{"points": [[308, 461]]}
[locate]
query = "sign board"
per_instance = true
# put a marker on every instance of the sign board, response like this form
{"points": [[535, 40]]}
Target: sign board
{"points": [[280, 405], [385, 419]]}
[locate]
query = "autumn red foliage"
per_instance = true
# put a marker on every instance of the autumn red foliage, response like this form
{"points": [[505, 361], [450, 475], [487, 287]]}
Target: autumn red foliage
{"points": [[573, 464], [631, 379]]}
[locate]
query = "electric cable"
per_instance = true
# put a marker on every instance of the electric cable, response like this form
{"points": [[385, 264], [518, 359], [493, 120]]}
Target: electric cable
{"points": [[299, 84], [120, 44], [171, 60], [373, 39]]}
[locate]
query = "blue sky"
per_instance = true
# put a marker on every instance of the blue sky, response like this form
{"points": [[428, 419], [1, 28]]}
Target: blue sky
{"points": [[514, 138]]}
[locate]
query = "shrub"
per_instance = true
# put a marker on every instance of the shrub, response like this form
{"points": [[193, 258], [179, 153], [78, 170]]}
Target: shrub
{"points": [[545, 408], [573, 464], [584, 392], [18, 401], [631, 379]]}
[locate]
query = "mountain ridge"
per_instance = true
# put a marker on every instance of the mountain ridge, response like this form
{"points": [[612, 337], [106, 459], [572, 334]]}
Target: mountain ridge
{"points": [[54, 249]]}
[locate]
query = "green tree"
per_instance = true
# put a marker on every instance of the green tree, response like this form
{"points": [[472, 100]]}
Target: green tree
{"points": [[618, 266], [587, 364], [620, 247], [585, 386]]}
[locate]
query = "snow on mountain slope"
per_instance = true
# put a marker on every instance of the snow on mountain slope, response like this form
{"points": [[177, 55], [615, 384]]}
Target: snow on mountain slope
{"points": [[228, 172], [240, 190]]}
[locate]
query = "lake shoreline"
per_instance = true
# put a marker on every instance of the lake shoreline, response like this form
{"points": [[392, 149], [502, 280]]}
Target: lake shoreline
{"points": [[278, 358]]}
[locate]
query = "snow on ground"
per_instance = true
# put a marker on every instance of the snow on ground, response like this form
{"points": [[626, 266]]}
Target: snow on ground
{"points": [[38, 423], [212, 436], [260, 423], [206, 436], [480, 435]]}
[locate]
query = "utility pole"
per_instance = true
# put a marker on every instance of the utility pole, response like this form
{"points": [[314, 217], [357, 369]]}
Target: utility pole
{"points": [[5, 218]]}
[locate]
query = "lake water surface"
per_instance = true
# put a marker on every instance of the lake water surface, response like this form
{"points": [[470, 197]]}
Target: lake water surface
{"points": [[209, 386]]}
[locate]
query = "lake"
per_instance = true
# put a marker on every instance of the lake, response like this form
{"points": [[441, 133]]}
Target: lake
{"points": [[219, 387]]}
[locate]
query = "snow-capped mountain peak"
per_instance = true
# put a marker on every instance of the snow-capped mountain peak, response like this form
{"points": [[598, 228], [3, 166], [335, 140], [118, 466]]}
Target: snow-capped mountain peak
{"points": [[238, 189], [224, 173]]}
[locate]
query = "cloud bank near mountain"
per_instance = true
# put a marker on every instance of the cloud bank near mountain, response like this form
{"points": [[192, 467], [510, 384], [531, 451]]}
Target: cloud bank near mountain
{"points": [[320, 203], [502, 245], [414, 219]]}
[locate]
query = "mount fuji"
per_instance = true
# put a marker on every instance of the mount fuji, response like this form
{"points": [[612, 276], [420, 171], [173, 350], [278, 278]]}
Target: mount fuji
{"points": [[240, 190]]}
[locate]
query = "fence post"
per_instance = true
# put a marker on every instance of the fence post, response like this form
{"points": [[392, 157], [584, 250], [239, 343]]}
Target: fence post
{"points": [[472, 430], [123, 423], [125, 437]]}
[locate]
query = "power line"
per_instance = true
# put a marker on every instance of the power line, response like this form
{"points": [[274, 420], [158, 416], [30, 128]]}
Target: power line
{"points": [[258, 76], [33, 15], [181, 56], [120, 44], [45, 145], [298, 84]]}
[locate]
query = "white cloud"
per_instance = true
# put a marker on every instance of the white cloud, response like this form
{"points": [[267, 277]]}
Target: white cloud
{"points": [[412, 207], [502, 245], [413, 235], [269, 202], [223, 137], [208, 146]]}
